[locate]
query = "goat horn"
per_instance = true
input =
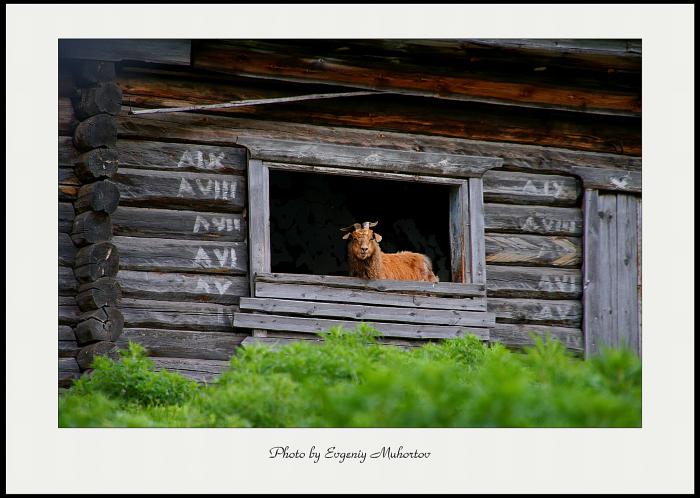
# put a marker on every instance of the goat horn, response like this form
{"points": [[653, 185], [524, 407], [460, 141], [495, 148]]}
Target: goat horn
{"points": [[373, 224], [354, 226]]}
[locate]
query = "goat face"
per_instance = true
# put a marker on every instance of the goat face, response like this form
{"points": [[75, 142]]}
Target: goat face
{"points": [[363, 242]]}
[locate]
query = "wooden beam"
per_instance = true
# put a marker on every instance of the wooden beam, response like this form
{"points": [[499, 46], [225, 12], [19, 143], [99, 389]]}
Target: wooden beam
{"points": [[160, 51], [460, 250], [259, 220]]}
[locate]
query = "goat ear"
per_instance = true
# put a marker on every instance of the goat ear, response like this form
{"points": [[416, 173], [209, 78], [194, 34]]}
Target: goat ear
{"points": [[377, 237], [346, 235]]}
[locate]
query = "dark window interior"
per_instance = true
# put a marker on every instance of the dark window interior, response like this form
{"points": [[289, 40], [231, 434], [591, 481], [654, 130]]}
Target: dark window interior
{"points": [[307, 211]]}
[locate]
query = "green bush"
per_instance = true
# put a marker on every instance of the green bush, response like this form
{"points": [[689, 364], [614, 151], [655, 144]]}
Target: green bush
{"points": [[350, 380]]}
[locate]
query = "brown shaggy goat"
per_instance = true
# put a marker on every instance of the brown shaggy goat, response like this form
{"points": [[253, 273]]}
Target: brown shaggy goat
{"points": [[366, 259]]}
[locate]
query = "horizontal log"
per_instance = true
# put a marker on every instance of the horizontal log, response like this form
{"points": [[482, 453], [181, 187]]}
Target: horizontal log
{"points": [[219, 289], [220, 130], [68, 310], [159, 51], [67, 153], [534, 250], [96, 164], [336, 69], [141, 313], [67, 120], [96, 131], [526, 188], [179, 224], [104, 324], [445, 289], [90, 72], [181, 157], [101, 98], [96, 261], [66, 214], [90, 228], [339, 295], [529, 282], [375, 159], [565, 313], [533, 219], [68, 371], [368, 313], [203, 371], [184, 343], [98, 294], [68, 349], [275, 343], [68, 185], [151, 254], [181, 190], [400, 113], [102, 196], [67, 283], [518, 335], [65, 333], [87, 354], [300, 336], [316, 325], [66, 250]]}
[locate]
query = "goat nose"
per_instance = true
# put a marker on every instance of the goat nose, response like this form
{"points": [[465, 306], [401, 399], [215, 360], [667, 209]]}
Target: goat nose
{"points": [[364, 249]]}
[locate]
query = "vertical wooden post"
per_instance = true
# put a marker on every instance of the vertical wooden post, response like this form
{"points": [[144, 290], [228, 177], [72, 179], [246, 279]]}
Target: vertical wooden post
{"points": [[460, 252], [258, 220], [476, 231]]}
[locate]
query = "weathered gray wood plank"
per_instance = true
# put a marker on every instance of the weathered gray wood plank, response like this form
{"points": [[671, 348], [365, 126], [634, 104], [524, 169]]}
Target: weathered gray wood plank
{"points": [[531, 282], [639, 275], [203, 345], [146, 154], [66, 215], [518, 335], [259, 219], [161, 51], [67, 153], [180, 190], [66, 250], [68, 371], [460, 250], [534, 250], [536, 311], [316, 325], [219, 289], [476, 231], [445, 289], [626, 261], [204, 371], [591, 271], [368, 313], [370, 158], [179, 224], [68, 311], [141, 313], [153, 254], [357, 296], [539, 220], [511, 187], [67, 283]]}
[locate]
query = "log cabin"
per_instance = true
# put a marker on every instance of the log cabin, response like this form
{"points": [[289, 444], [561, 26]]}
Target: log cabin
{"points": [[202, 185]]}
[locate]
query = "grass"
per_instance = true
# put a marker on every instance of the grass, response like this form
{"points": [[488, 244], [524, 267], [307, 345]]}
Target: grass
{"points": [[351, 381]]}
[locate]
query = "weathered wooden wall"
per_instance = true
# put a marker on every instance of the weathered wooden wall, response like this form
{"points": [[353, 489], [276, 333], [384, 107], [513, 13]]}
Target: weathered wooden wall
{"points": [[181, 223]]}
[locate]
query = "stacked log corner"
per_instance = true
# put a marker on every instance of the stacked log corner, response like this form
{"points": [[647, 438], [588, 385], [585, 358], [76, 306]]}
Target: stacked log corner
{"points": [[96, 103]]}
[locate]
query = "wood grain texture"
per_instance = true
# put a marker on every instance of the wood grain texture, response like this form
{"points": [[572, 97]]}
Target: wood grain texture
{"points": [[142, 313], [316, 325], [68, 371], [199, 288], [259, 220], [531, 282], [533, 250], [68, 310], [67, 120], [102, 196], [103, 324], [193, 344], [101, 98], [203, 371], [180, 190], [368, 313], [91, 227], [179, 224], [166, 255], [66, 250], [477, 252], [94, 164], [159, 51], [541, 220], [356, 296], [460, 250], [96, 261], [98, 294], [145, 154], [87, 354], [566, 313], [519, 335], [511, 187], [67, 283], [96, 131], [66, 214]]}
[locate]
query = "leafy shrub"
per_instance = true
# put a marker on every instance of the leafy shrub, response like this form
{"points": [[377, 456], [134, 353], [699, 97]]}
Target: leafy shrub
{"points": [[350, 380]]}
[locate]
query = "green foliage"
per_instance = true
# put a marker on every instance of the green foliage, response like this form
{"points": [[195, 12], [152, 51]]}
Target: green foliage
{"points": [[350, 380]]}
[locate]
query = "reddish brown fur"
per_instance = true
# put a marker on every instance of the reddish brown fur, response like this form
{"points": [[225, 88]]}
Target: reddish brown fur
{"points": [[372, 263]]}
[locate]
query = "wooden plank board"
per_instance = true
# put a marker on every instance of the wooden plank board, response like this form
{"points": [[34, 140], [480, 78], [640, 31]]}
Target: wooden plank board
{"points": [[142, 313], [460, 250], [368, 313], [511, 187], [160, 51], [67, 283], [530, 282], [203, 345], [536, 311], [534, 250], [66, 214], [145, 154], [639, 275], [160, 286], [164, 255], [225, 130], [356, 296], [316, 325], [518, 335], [477, 252], [445, 289], [627, 324], [179, 224], [540, 220], [184, 190], [203, 371], [67, 121], [369, 158], [259, 216]]}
